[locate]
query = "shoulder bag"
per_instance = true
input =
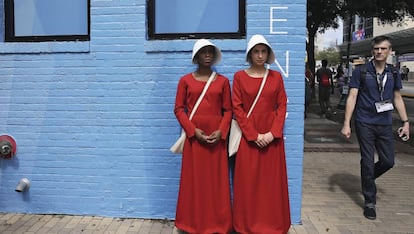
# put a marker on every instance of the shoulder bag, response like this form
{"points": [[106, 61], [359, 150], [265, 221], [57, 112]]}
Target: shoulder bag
{"points": [[235, 131], [178, 146]]}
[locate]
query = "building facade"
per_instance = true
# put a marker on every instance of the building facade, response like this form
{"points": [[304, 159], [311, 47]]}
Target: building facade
{"points": [[359, 31], [91, 111]]}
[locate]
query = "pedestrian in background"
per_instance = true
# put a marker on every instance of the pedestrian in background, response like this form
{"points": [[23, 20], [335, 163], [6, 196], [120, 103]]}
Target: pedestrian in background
{"points": [[404, 72], [373, 94], [308, 89], [261, 201], [340, 79], [204, 204], [326, 85]]}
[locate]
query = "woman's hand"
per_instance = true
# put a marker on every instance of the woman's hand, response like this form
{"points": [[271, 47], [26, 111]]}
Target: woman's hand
{"points": [[214, 137], [268, 137], [264, 140], [201, 136]]}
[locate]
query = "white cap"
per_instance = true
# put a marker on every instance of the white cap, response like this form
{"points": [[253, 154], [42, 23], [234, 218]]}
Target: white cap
{"points": [[202, 43], [259, 39]]}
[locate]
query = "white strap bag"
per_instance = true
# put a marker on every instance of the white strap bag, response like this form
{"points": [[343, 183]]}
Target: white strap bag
{"points": [[235, 131], [178, 146]]}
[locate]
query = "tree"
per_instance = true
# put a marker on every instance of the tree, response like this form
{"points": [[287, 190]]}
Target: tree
{"points": [[331, 54], [387, 11], [323, 14]]}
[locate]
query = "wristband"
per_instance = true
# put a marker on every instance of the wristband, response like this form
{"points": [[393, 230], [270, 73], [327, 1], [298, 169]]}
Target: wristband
{"points": [[405, 121]]}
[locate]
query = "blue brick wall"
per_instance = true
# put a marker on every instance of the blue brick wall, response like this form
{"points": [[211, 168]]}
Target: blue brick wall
{"points": [[94, 120]]}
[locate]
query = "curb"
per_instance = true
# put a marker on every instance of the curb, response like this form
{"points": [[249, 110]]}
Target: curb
{"points": [[407, 95], [310, 149]]}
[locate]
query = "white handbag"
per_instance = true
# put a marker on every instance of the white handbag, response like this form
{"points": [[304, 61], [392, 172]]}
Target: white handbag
{"points": [[235, 131], [234, 138], [178, 146]]}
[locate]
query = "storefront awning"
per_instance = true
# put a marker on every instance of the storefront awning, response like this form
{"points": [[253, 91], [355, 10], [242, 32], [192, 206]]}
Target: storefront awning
{"points": [[402, 44]]}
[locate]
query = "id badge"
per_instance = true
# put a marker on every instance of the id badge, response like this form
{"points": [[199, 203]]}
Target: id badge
{"points": [[384, 106]]}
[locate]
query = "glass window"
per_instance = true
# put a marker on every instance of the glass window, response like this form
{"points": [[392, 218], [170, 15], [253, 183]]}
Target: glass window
{"points": [[181, 19], [46, 20]]}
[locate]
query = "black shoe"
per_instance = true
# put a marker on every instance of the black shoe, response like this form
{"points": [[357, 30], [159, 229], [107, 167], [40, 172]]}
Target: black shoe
{"points": [[369, 213]]}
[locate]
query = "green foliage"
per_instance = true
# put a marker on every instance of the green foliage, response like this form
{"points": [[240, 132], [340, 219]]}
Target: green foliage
{"points": [[387, 11], [331, 54], [323, 14]]}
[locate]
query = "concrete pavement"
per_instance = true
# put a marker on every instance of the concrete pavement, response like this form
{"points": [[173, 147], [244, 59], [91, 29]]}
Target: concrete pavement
{"points": [[332, 201], [408, 88]]}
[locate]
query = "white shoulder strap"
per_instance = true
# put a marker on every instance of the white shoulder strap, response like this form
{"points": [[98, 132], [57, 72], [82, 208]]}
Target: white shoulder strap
{"points": [[258, 93], [213, 74]]}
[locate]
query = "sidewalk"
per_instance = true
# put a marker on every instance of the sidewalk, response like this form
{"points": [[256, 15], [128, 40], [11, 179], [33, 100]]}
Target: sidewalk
{"points": [[408, 88], [332, 201]]}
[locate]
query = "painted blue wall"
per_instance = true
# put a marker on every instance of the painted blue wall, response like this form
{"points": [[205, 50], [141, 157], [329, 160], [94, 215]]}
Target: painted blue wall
{"points": [[94, 120]]}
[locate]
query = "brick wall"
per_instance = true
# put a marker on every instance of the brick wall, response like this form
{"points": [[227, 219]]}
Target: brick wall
{"points": [[94, 120]]}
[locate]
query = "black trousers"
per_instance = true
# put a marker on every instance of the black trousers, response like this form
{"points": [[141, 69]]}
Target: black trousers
{"points": [[324, 94], [374, 137]]}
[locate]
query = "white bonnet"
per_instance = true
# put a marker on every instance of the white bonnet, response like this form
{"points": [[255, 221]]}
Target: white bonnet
{"points": [[259, 39], [202, 43]]}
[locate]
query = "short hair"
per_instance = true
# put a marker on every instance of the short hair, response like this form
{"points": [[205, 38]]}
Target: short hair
{"points": [[380, 39], [324, 62]]}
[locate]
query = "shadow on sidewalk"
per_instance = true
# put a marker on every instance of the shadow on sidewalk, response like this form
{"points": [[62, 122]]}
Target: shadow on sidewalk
{"points": [[349, 184]]}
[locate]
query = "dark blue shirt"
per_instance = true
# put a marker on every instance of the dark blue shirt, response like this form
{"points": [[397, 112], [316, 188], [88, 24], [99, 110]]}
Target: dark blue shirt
{"points": [[369, 93]]}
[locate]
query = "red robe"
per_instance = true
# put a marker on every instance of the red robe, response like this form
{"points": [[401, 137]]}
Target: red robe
{"points": [[204, 204], [261, 200]]}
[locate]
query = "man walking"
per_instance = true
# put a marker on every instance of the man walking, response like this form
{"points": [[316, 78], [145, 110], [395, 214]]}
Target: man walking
{"points": [[404, 73], [374, 93], [324, 77]]}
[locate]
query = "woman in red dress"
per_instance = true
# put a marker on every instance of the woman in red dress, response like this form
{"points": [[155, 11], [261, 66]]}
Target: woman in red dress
{"points": [[204, 204], [261, 201]]}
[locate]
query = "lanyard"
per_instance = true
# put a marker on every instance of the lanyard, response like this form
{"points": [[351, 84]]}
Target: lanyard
{"points": [[381, 79]]}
